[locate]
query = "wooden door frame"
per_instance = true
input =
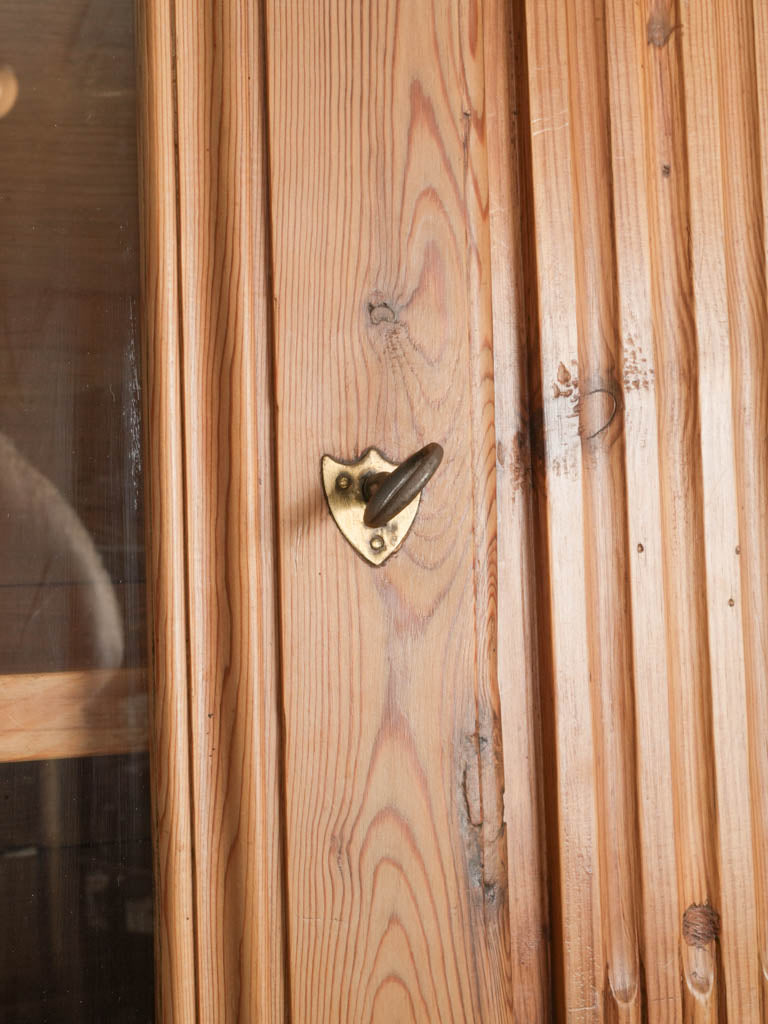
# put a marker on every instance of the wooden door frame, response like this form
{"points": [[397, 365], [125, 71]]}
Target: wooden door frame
{"points": [[210, 510]]}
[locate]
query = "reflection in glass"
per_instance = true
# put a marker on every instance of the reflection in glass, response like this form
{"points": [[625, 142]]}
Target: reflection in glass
{"points": [[75, 851], [50, 560]]}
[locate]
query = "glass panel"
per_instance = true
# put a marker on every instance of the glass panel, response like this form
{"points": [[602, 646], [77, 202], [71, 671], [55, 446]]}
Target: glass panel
{"points": [[75, 853], [69, 412], [75, 892]]}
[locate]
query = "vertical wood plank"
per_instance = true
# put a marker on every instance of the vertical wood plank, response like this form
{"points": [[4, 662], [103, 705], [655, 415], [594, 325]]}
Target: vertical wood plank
{"points": [[626, 45], [491, 918], [572, 828], [715, 146], [741, 700], [518, 665], [53, 715], [395, 844], [680, 472], [164, 500], [638, 118], [601, 430], [753, 507], [229, 467]]}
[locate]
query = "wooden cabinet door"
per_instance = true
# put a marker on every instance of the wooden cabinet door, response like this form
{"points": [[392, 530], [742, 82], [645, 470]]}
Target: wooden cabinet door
{"points": [[516, 772]]}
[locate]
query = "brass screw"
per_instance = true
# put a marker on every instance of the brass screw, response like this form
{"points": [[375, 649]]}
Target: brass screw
{"points": [[343, 482], [377, 542]]}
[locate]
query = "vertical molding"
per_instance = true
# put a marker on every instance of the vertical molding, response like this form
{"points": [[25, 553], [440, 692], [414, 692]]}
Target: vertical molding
{"points": [[230, 473], [518, 666], [680, 473], [208, 388], [601, 421], [164, 503], [709, 153], [494, 916], [627, 43], [651, 307], [578, 949], [754, 506], [742, 708]]}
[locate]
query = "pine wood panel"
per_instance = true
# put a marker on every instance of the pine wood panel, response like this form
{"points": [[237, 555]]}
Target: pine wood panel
{"points": [[568, 733], [229, 509], [72, 714], [175, 968], [626, 44], [518, 660], [717, 107], [395, 844], [647, 181], [741, 700], [570, 198]]}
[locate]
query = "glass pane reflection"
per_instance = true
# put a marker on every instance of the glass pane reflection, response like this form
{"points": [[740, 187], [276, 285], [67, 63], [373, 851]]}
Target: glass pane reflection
{"points": [[75, 855]]}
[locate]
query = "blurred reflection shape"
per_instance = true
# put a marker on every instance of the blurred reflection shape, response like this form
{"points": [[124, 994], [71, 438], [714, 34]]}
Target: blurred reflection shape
{"points": [[63, 597]]}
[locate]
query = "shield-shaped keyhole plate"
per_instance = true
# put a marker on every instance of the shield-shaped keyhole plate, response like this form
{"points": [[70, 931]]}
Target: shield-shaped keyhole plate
{"points": [[343, 486]]}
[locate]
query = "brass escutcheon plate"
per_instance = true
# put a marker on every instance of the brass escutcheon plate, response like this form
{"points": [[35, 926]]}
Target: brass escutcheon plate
{"points": [[343, 486]]}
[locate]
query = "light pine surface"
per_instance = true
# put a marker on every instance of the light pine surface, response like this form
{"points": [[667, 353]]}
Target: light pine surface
{"points": [[396, 877], [229, 475], [172, 809], [519, 772], [646, 133], [72, 714], [518, 655]]}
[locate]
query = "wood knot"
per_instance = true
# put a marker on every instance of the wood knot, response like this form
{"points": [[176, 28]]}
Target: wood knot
{"points": [[659, 27], [381, 313], [701, 924]]}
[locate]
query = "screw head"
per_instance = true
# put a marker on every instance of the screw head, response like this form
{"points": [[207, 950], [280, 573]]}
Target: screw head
{"points": [[377, 542], [343, 482]]}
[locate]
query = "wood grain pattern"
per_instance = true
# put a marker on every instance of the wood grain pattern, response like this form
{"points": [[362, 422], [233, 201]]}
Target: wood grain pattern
{"points": [[601, 430], [396, 867], [644, 174], [72, 714], [714, 115], [570, 765], [175, 967], [229, 512], [570, 647], [741, 700], [680, 472], [626, 43], [518, 663]]}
